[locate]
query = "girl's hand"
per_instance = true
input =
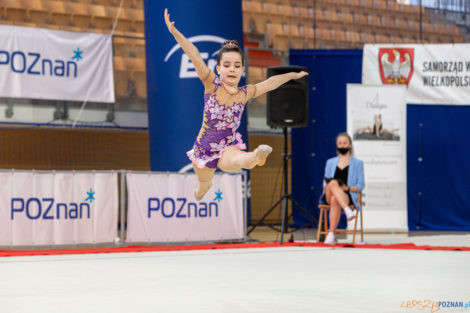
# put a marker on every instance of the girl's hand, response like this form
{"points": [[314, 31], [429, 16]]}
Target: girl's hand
{"points": [[169, 24], [300, 75]]}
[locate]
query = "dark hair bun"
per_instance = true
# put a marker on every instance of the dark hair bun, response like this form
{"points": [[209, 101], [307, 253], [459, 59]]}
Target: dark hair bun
{"points": [[230, 44]]}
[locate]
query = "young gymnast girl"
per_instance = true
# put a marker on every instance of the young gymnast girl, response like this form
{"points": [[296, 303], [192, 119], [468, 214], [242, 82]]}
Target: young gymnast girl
{"points": [[218, 144]]}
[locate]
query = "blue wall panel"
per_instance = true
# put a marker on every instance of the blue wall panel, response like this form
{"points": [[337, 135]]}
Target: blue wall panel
{"points": [[329, 72], [438, 145]]}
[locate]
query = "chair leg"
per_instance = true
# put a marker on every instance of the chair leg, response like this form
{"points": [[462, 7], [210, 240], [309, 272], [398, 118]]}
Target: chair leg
{"points": [[325, 223], [319, 225], [355, 228], [362, 230]]}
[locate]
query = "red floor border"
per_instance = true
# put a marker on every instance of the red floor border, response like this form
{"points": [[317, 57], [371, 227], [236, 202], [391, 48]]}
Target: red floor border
{"points": [[401, 246]]}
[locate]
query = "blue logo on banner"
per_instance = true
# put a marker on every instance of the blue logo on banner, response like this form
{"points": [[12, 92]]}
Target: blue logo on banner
{"points": [[47, 208], [218, 195], [33, 63], [91, 195], [181, 208], [77, 54]]}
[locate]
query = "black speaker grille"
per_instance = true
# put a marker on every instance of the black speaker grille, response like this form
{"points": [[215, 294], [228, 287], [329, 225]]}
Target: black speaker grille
{"points": [[287, 106]]}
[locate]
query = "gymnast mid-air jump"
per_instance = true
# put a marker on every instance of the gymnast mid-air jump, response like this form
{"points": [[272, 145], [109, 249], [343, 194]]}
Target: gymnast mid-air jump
{"points": [[218, 144]]}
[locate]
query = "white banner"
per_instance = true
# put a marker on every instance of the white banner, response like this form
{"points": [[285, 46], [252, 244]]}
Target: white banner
{"points": [[162, 208], [39, 63], [376, 118], [434, 74], [57, 208]]}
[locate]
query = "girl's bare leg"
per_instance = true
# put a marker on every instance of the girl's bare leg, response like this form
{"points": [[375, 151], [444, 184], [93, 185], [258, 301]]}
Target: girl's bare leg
{"points": [[367, 128], [204, 175], [233, 159], [335, 214], [334, 190], [337, 199], [393, 131]]}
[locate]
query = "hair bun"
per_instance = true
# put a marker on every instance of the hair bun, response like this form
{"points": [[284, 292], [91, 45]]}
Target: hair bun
{"points": [[230, 44]]}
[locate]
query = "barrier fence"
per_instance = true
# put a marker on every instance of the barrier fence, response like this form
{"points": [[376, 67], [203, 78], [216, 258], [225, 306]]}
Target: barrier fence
{"points": [[70, 208]]}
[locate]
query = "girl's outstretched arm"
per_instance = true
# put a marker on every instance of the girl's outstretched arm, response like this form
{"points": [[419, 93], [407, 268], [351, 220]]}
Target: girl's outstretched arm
{"points": [[275, 81], [201, 68]]}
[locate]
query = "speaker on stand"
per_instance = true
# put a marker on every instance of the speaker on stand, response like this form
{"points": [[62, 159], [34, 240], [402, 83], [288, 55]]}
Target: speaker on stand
{"points": [[287, 106]]}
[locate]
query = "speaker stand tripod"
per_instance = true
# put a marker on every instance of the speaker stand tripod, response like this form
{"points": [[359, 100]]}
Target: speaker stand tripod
{"points": [[285, 196]]}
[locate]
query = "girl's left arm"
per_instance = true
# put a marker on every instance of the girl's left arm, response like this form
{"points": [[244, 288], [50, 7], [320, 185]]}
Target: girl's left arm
{"points": [[275, 81]]}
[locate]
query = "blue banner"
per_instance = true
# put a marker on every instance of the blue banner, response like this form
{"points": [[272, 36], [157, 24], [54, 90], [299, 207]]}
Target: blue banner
{"points": [[175, 93]]}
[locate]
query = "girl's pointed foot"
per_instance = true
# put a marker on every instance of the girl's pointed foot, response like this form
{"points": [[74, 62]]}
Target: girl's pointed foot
{"points": [[262, 153]]}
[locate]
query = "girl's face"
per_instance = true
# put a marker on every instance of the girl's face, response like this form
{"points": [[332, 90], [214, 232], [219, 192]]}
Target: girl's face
{"points": [[230, 68], [343, 142]]}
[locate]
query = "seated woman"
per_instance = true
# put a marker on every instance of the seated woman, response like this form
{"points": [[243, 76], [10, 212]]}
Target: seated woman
{"points": [[344, 179]]}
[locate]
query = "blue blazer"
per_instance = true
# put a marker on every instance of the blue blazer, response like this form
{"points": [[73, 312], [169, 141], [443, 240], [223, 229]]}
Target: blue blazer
{"points": [[355, 176]]}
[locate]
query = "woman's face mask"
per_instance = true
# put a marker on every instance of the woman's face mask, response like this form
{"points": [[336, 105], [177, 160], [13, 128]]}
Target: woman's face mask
{"points": [[343, 150]]}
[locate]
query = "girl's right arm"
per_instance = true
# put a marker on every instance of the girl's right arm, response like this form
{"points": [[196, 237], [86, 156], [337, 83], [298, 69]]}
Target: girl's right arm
{"points": [[275, 81], [203, 72]]}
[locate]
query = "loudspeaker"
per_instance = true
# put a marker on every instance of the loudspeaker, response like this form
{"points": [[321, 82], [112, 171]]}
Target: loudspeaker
{"points": [[287, 106]]}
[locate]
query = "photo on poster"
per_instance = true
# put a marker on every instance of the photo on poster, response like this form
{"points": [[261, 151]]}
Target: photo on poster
{"points": [[375, 122]]}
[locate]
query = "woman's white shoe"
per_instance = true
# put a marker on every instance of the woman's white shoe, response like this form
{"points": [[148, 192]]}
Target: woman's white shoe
{"points": [[350, 213], [330, 239]]}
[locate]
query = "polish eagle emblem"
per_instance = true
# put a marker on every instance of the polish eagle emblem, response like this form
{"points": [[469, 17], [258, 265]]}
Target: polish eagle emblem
{"points": [[396, 65]]}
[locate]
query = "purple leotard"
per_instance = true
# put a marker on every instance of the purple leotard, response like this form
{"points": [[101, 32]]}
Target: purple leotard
{"points": [[220, 124]]}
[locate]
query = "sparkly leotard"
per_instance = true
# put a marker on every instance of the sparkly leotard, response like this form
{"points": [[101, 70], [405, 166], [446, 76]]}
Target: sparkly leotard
{"points": [[222, 117]]}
